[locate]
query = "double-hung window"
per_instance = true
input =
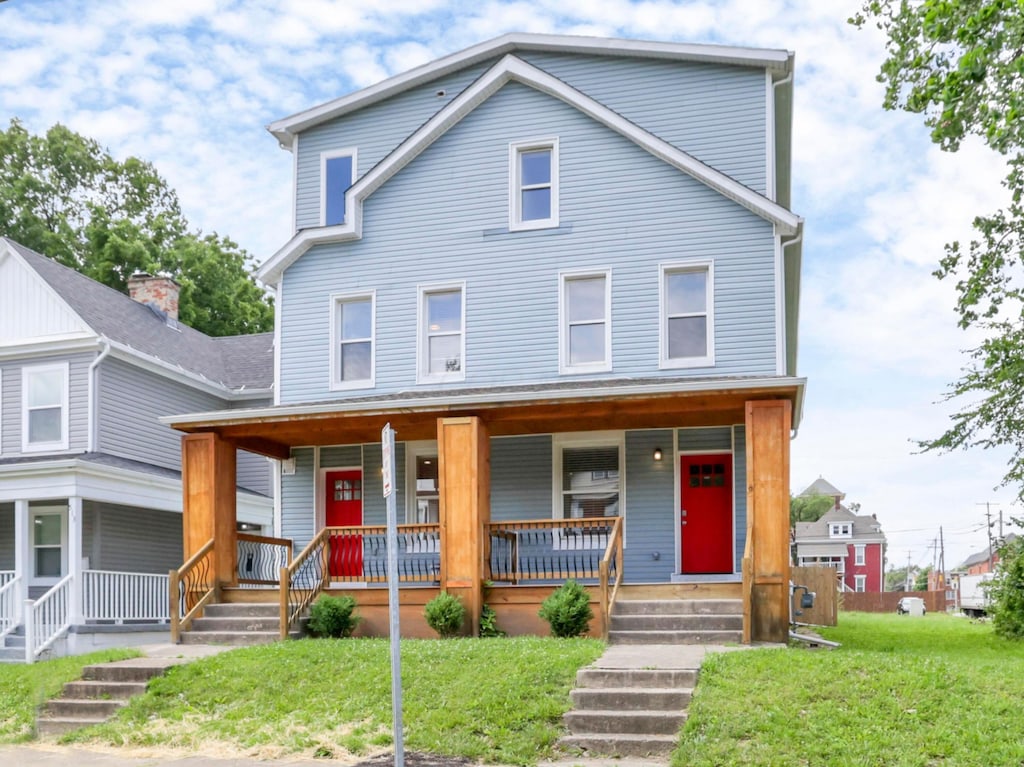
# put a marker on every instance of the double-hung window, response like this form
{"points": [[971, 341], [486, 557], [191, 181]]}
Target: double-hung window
{"points": [[49, 545], [860, 583], [858, 554], [442, 336], [44, 394], [352, 341], [533, 185], [687, 315], [337, 174], [588, 485], [585, 323]]}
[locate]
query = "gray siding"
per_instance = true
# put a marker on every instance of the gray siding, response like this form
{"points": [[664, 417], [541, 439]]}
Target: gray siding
{"points": [[345, 456], [712, 439], [629, 212], [78, 401], [521, 478], [298, 497], [254, 473], [650, 509], [739, 478], [130, 539], [6, 536]]}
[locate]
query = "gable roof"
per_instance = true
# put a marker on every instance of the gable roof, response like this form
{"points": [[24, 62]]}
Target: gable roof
{"points": [[509, 69], [864, 526], [822, 486], [982, 556], [233, 363]]}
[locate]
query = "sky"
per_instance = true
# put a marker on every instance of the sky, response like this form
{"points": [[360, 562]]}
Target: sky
{"points": [[190, 86]]}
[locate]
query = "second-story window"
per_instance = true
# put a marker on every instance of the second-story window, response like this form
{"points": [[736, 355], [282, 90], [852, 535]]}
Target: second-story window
{"points": [[442, 338], [352, 348], [687, 316], [840, 530], [337, 173], [585, 323], [44, 391], [533, 185]]}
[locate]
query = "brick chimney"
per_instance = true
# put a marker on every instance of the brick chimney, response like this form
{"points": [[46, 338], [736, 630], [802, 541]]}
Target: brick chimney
{"points": [[159, 292]]}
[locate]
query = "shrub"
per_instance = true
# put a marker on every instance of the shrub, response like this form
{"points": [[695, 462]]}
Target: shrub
{"points": [[445, 614], [1006, 591], [568, 610], [489, 623], [333, 617]]}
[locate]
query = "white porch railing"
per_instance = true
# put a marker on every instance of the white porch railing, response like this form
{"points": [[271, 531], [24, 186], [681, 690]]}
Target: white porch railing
{"points": [[10, 602], [48, 618], [119, 597]]}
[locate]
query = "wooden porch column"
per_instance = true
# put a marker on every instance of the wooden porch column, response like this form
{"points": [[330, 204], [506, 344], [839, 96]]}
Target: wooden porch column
{"points": [[464, 474], [768, 424], [208, 485]]}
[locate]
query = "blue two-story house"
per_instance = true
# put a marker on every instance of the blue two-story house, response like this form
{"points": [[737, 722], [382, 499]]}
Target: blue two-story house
{"points": [[565, 270]]}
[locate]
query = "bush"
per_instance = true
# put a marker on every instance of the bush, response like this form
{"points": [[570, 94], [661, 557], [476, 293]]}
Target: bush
{"points": [[489, 623], [333, 617], [445, 614], [1006, 591], [568, 610]]}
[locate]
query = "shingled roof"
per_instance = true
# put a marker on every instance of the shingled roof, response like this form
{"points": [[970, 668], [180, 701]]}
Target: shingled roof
{"points": [[236, 363]]}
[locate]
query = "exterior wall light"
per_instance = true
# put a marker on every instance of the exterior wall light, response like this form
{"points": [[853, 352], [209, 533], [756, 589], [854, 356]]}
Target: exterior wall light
{"points": [[657, 454]]}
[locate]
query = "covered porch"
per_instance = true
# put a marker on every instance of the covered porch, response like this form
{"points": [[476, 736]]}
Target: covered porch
{"points": [[496, 559]]}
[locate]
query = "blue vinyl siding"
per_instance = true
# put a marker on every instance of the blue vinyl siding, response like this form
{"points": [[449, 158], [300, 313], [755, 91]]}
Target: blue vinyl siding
{"points": [[621, 208], [521, 477], [739, 478], [298, 499], [712, 439], [650, 508]]}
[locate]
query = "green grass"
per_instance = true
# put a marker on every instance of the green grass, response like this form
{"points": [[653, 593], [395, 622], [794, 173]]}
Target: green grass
{"points": [[901, 692], [24, 688], [496, 700]]}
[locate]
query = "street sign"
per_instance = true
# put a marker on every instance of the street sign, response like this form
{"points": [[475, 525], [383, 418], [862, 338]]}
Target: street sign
{"points": [[387, 445]]}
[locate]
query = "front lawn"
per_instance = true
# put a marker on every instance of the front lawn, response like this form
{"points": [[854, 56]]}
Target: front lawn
{"points": [[496, 700], [902, 691]]}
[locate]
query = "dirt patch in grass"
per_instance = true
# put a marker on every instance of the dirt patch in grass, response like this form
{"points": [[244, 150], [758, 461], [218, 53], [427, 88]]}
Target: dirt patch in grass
{"points": [[416, 759]]}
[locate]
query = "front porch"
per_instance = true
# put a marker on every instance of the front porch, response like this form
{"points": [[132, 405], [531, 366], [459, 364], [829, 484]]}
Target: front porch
{"points": [[471, 542]]}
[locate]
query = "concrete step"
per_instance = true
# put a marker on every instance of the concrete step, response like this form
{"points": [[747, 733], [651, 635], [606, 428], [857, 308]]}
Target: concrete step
{"points": [[678, 607], [81, 708], [105, 690], [682, 621], [620, 744], [630, 699], [624, 722], [237, 624], [135, 670], [242, 610], [12, 654], [675, 637], [614, 678], [15, 640], [240, 638], [55, 726]]}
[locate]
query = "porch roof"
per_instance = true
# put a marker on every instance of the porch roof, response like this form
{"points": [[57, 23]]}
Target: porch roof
{"points": [[821, 550], [527, 409]]}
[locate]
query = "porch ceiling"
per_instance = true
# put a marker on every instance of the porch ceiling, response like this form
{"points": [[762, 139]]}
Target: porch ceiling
{"points": [[274, 431]]}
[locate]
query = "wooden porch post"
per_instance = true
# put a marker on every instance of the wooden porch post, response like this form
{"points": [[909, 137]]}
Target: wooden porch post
{"points": [[463, 446], [208, 486], [768, 424]]}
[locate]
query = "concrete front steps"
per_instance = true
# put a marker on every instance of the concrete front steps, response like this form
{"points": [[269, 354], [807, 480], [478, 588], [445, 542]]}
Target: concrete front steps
{"points": [[677, 621], [237, 623], [12, 647]]}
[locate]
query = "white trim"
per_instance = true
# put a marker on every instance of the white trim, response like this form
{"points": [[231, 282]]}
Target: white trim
{"points": [[333, 154], [780, 308], [65, 440], [278, 293], [859, 557], [336, 383], [1, 411], [774, 61], [506, 70], [674, 267], [515, 186], [571, 439], [53, 345], [769, 138], [413, 450], [565, 367], [295, 186], [47, 510], [860, 583], [423, 374]]}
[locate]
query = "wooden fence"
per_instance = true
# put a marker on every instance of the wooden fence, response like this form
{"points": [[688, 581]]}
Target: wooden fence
{"points": [[822, 581], [885, 602]]}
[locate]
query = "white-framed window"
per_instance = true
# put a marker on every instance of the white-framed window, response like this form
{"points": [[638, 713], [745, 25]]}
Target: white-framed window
{"points": [[687, 314], [353, 357], [44, 400], [588, 484], [441, 335], [337, 174], [840, 530], [49, 542], [858, 554], [533, 184], [860, 583], [585, 326], [423, 497]]}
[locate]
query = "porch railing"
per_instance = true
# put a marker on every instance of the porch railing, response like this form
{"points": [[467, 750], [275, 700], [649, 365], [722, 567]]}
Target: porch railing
{"points": [[10, 602], [118, 597], [549, 550], [261, 558], [610, 574], [48, 618], [190, 588], [356, 556]]}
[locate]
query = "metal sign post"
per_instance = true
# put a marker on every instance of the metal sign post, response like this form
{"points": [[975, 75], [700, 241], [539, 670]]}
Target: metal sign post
{"points": [[387, 443]]}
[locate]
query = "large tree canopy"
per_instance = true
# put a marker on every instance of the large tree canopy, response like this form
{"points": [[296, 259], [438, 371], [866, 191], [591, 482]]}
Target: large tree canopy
{"points": [[63, 195], [960, 63]]}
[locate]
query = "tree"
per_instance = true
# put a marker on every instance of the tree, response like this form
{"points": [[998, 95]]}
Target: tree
{"points": [[1005, 591], [960, 63], [63, 195], [808, 508], [921, 579]]}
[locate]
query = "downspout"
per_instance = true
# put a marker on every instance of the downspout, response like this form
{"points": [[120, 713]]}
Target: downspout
{"points": [[794, 241], [93, 394]]}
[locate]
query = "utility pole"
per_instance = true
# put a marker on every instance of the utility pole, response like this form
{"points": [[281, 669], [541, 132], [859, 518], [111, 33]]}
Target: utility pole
{"points": [[988, 526], [942, 561], [907, 584]]}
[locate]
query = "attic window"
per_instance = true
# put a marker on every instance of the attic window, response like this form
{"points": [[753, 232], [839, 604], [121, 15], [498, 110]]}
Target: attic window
{"points": [[840, 530], [337, 173], [533, 185]]}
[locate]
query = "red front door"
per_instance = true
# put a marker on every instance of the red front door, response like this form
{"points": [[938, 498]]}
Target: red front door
{"points": [[344, 495], [706, 513]]}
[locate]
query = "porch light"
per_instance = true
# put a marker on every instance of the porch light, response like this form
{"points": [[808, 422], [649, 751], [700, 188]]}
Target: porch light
{"points": [[657, 454]]}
